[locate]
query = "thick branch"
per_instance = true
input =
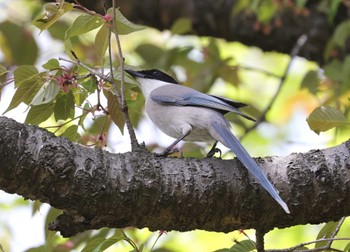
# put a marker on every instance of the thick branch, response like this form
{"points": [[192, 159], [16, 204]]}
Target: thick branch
{"points": [[96, 188], [215, 18]]}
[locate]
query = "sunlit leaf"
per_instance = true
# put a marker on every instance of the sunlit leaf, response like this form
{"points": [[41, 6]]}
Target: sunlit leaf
{"points": [[347, 248], [83, 24], [326, 232], [52, 13], [101, 42], [64, 107], [71, 133], [324, 118], [39, 114], [124, 26], [51, 64], [115, 111], [46, 94], [181, 26]]}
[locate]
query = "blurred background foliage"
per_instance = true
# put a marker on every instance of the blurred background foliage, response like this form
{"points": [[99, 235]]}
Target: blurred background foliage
{"points": [[78, 108]]}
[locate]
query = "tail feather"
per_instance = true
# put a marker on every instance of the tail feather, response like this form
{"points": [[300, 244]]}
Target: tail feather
{"points": [[232, 142]]}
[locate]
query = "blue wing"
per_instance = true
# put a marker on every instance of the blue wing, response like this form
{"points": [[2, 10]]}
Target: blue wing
{"points": [[185, 96]]}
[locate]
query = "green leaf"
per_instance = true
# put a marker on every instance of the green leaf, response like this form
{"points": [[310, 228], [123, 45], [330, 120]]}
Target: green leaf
{"points": [[333, 70], [101, 42], [347, 248], [342, 33], [64, 107], [124, 26], [243, 246], [24, 73], [311, 81], [115, 111], [53, 12], [326, 232], [181, 26], [51, 64], [28, 87], [100, 244], [36, 207], [3, 70], [94, 245], [71, 133], [83, 24], [46, 94], [39, 114], [100, 125], [90, 84], [324, 118], [18, 44], [50, 217]]}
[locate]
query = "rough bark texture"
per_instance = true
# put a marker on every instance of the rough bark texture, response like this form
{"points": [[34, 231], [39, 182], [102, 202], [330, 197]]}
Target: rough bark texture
{"points": [[97, 189], [214, 18]]}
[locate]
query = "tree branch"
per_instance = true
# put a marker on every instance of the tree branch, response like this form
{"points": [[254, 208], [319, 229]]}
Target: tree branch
{"points": [[97, 189], [214, 18]]}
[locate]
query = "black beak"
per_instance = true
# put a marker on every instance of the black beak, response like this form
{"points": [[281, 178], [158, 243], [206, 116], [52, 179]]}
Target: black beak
{"points": [[134, 74]]}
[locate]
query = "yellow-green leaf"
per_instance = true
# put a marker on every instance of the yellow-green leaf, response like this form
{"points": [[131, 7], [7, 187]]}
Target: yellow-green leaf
{"points": [[114, 110], [324, 118], [101, 42], [26, 91], [64, 107], [51, 64], [39, 114], [124, 26], [83, 24], [53, 11], [181, 26], [71, 133]]}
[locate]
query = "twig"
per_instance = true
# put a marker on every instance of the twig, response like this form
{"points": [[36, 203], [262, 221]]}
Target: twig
{"points": [[311, 242], [335, 232], [296, 49], [134, 143]]}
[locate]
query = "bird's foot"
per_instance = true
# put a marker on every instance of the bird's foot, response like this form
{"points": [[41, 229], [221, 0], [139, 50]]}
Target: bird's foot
{"points": [[212, 152], [167, 152]]}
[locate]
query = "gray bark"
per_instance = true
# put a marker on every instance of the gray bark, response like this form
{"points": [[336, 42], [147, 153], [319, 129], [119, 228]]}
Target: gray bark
{"points": [[97, 189]]}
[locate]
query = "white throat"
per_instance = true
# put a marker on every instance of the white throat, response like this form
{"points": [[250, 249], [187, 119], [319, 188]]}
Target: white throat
{"points": [[148, 85]]}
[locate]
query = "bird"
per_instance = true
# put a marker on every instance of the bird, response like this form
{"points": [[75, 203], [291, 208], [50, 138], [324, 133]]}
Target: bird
{"points": [[186, 114]]}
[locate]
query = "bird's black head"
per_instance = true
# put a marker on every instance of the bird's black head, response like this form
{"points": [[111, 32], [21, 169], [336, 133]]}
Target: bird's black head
{"points": [[152, 74]]}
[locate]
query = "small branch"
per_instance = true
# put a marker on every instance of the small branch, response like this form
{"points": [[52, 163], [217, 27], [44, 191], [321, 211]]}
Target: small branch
{"points": [[134, 143], [311, 242], [296, 49]]}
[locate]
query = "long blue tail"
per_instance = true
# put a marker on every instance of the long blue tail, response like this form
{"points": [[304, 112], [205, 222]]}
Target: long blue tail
{"points": [[232, 142]]}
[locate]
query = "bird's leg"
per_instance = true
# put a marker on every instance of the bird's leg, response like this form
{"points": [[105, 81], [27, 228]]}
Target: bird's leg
{"points": [[170, 149], [214, 150]]}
